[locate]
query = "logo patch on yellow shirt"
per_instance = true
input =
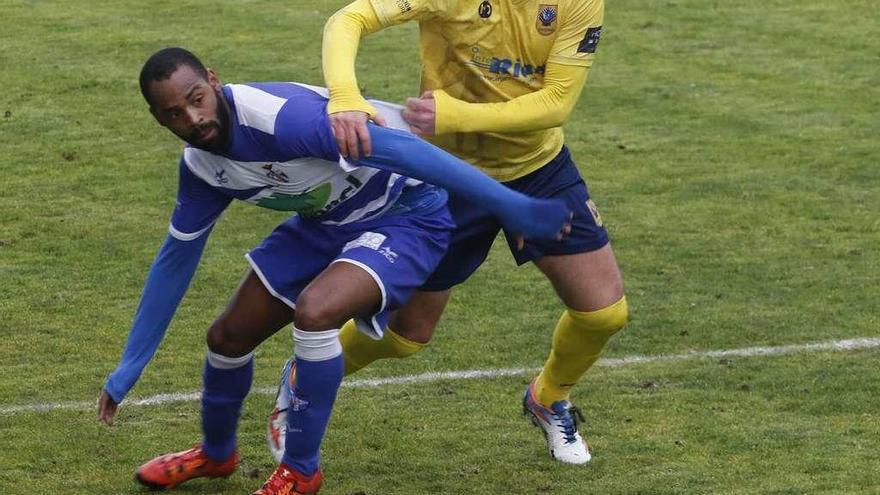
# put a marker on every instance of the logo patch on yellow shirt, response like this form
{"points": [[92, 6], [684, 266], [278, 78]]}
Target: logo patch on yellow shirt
{"points": [[546, 22], [404, 6], [590, 41], [485, 9]]}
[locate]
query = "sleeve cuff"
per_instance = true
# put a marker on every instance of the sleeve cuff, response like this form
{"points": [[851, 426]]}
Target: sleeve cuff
{"points": [[349, 104], [447, 113]]}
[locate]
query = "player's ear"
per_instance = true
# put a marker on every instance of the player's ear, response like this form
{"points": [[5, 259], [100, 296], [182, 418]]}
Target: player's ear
{"points": [[213, 80]]}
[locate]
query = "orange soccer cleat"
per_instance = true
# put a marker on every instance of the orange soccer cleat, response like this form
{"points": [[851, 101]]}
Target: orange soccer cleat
{"points": [[287, 481], [170, 470]]}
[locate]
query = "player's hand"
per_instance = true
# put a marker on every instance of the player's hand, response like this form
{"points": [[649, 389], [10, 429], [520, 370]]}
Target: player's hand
{"points": [[542, 219], [350, 131], [421, 114], [106, 408]]}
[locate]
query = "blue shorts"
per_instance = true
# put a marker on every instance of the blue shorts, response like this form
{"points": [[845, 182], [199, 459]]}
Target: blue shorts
{"points": [[399, 251], [476, 228]]}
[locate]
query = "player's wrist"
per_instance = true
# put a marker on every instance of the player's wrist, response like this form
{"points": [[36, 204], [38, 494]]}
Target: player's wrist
{"points": [[445, 118], [113, 392], [349, 103]]}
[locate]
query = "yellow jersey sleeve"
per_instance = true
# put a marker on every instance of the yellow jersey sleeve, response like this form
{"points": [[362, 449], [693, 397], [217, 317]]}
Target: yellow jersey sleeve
{"points": [[579, 33], [342, 35], [548, 107]]}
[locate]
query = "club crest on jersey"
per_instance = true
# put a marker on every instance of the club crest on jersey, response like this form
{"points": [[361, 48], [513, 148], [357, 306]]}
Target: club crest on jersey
{"points": [[546, 22], [273, 174], [485, 9]]}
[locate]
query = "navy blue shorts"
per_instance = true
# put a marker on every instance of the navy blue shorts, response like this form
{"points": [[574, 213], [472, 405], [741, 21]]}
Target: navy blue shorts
{"points": [[399, 251], [476, 229]]}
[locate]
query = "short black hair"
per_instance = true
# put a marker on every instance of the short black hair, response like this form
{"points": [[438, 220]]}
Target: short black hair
{"points": [[163, 63]]}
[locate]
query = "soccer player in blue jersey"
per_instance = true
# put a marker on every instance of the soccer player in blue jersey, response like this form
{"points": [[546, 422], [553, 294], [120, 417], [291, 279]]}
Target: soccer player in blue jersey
{"points": [[367, 234]]}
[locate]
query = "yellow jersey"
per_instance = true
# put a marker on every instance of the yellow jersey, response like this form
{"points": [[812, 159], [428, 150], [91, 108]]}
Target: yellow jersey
{"points": [[492, 51]]}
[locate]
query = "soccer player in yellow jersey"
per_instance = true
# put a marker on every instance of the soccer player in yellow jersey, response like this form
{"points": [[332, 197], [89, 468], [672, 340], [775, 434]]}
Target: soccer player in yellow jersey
{"points": [[499, 78]]}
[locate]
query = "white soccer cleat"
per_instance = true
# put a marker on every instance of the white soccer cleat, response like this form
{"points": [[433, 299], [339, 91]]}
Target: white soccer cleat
{"points": [[276, 430], [559, 422]]}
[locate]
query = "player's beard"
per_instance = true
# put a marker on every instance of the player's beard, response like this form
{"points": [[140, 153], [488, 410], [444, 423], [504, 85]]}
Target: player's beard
{"points": [[221, 138]]}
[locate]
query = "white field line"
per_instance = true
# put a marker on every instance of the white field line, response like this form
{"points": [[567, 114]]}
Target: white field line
{"points": [[834, 345]]}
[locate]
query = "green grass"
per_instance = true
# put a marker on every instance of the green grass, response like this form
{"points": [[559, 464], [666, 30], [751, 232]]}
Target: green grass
{"points": [[731, 148]]}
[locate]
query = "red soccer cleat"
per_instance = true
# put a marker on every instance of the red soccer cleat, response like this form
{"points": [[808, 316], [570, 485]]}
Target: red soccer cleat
{"points": [[287, 481], [170, 470]]}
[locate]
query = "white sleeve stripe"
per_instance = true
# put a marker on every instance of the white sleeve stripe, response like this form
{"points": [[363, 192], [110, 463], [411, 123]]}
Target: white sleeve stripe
{"points": [[256, 108], [187, 236]]}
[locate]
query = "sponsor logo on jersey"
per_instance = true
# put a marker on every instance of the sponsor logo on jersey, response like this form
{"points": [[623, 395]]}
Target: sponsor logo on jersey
{"points": [[312, 203], [501, 69], [590, 41], [514, 68], [546, 22], [353, 186], [485, 9]]}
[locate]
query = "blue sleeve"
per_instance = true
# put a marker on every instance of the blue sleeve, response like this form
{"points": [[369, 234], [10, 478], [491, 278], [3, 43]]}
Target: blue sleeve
{"points": [[302, 128], [408, 155], [167, 282], [198, 204]]}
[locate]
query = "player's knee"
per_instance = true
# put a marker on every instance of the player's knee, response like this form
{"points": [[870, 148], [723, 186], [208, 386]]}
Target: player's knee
{"points": [[608, 320], [417, 330], [223, 340], [418, 334], [313, 314]]}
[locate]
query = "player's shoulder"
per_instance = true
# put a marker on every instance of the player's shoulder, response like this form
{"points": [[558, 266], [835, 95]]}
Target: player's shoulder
{"points": [[195, 162], [260, 105], [570, 7]]}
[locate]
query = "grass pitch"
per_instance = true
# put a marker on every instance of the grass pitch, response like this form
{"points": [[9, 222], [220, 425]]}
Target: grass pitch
{"points": [[731, 148]]}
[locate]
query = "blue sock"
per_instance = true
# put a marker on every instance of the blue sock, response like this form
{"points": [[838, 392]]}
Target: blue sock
{"points": [[226, 383], [319, 370]]}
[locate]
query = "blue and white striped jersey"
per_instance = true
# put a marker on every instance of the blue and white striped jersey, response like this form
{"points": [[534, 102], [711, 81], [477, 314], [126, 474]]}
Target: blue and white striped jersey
{"points": [[281, 155]]}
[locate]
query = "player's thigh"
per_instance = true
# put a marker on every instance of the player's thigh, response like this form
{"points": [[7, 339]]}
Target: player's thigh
{"points": [[400, 252], [417, 319], [472, 238], [252, 315], [475, 231], [586, 281], [340, 292]]}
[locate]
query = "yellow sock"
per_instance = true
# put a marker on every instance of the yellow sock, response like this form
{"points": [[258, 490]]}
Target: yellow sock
{"points": [[358, 350], [577, 343]]}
